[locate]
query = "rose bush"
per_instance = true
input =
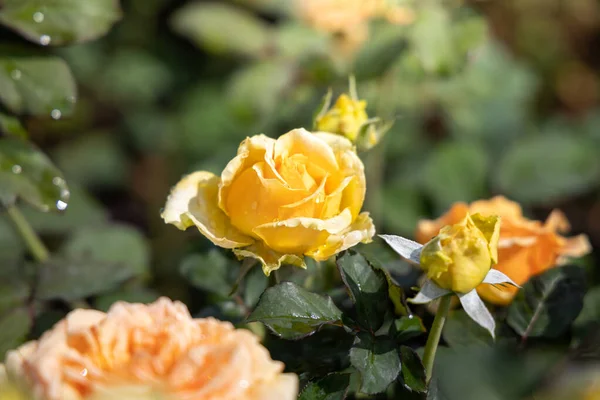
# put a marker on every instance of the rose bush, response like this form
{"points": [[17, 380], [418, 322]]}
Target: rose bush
{"points": [[279, 199], [525, 248], [144, 349]]}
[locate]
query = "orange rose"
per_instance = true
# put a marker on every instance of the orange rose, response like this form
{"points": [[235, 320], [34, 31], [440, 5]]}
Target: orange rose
{"points": [[144, 349], [525, 248]]}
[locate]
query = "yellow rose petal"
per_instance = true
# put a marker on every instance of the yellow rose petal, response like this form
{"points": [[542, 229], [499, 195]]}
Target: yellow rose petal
{"points": [[362, 230], [270, 259], [298, 235], [320, 158], [460, 256], [252, 150], [254, 200], [490, 227], [193, 201]]}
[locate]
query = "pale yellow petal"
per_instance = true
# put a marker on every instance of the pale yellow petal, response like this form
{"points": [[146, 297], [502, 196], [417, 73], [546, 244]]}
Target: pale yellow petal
{"points": [[557, 222], [270, 259], [299, 235], [574, 247], [252, 150], [193, 201], [362, 230], [337, 142], [283, 387], [182, 194]]}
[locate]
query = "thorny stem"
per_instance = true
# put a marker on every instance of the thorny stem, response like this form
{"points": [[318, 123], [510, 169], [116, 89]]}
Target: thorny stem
{"points": [[37, 248], [435, 334]]}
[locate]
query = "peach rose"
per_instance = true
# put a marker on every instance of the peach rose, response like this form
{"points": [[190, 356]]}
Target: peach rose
{"points": [[147, 351], [350, 18], [525, 248], [278, 200]]}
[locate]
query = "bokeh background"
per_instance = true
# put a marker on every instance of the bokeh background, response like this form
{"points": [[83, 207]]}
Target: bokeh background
{"points": [[489, 97]]}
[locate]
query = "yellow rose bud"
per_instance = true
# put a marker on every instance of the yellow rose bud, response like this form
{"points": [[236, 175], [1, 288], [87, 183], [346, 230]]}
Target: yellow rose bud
{"points": [[461, 255], [346, 117], [279, 200]]}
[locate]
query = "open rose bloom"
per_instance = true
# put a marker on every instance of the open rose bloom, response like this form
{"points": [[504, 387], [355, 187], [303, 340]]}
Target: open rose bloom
{"points": [[525, 248], [278, 200], [155, 351]]}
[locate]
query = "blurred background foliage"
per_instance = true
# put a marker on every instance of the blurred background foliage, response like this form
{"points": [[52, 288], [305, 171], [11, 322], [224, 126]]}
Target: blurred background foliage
{"points": [[489, 97]]}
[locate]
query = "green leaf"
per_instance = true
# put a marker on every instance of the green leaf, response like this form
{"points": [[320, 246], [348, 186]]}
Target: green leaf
{"points": [[14, 292], [431, 36], [385, 45], [255, 91], [60, 22], [413, 372], [407, 328], [377, 360], [94, 260], [548, 303], [83, 210], [209, 272], [69, 280], [42, 86], [589, 317], [331, 387], [14, 328], [115, 244], [255, 283], [131, 295], [94, 160], [549, 167], [367, 287], [461, 330], [292, 312], [222, 28], [455, 172], [27, 173], [12, 126]]}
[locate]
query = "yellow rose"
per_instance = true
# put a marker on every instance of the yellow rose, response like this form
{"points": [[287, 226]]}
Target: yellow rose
{"points": [[346, 117], [279, 199], [526, 247], [461, 255], [155, 351]]}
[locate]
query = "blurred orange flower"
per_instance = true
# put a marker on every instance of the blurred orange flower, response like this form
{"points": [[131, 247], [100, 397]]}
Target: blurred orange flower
{"points": [[526, 247], [145, 349], [349, 18]]}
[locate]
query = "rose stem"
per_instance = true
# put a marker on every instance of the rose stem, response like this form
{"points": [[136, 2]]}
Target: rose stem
{"points": [[37, 248], [434, 335]]}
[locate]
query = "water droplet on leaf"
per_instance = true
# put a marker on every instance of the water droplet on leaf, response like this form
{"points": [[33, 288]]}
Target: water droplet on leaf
{"points": [[61, 205], [57, 180], [16, 74], [55, 114], [38, 17], [45, 40], [16, 169]]}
